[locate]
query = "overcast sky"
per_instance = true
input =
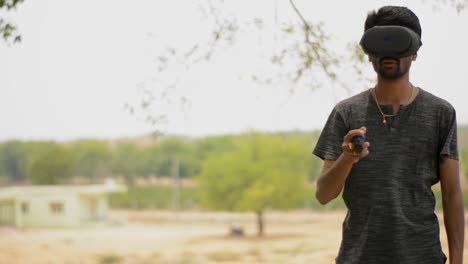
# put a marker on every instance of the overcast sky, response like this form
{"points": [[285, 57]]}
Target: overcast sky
{"points": [[80, 62]]}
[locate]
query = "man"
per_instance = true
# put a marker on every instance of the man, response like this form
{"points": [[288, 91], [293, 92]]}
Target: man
{"points": [[410, 145]]}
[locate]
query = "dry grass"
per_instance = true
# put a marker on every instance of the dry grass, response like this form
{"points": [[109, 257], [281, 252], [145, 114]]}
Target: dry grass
{"points": [[109, 258], [164, 237], [222, 256]]}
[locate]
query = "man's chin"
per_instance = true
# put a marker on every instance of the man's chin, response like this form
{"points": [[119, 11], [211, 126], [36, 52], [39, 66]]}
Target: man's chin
{"points": [[390, 75]]}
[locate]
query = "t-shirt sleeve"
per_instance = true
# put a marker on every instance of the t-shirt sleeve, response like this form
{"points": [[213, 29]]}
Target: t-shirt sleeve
{"points": [[331, 138], [448, 147]]}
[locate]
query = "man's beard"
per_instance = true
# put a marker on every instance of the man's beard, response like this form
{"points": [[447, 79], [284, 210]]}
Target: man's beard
{"points": [[390, 74]]}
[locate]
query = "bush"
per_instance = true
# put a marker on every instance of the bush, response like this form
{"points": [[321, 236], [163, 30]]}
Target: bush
{"points": [[109, 259], [152, 197]]}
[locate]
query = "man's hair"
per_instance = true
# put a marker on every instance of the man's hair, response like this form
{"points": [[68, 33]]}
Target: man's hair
{"points": [[393, 16]]}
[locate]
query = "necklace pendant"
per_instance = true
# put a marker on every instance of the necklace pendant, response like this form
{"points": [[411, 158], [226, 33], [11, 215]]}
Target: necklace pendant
{"points": [[384, 121]]}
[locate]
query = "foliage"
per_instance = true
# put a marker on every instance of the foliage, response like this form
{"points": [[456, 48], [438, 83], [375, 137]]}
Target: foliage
{"points": [[110, 258], [259, 173], [50, 163], [462, 134], [98, 159], [224, 255], [153, 197], [262, 171], [458, 5], [213, 145], [13, 158], [8, 31], [161, 197], [299, 42], [127, 160], [300, 56], [93, 158], [176, 149], [464, 162]]}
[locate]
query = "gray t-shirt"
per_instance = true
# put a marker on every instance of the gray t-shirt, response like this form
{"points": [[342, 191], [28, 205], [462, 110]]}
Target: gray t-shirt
{"points": [[388, 194]]}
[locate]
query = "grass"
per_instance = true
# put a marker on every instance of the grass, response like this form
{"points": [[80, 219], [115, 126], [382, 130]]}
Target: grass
{"points": [[109, 258], [152, 197], [161, 197], [155, 255], [284, 251], [220, 256], [255, 252]]}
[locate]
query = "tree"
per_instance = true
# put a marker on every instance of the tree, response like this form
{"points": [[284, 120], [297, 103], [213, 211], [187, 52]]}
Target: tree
{"points": [[177, 149], [464, 165], [93, 159], [13, 156], [51, 163], [8, 31], [300, 57], [262, 171], [127, 160]]}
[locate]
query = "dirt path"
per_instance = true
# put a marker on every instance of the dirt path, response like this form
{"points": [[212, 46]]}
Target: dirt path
{"points": [[163, 237]]}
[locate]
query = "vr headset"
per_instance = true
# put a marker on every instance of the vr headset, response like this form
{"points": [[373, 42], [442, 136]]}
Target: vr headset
{"points": [[390, 41]]}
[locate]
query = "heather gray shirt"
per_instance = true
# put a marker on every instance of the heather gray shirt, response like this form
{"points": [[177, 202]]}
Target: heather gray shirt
{"points": [[388, 194]]}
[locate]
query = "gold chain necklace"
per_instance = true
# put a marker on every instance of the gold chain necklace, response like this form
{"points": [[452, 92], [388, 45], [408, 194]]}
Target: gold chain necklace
{"points": [[378, 105]]}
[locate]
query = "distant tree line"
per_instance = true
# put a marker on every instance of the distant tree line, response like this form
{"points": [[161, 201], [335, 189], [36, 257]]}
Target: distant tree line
{"points": [[47, 162], [249, 172]]}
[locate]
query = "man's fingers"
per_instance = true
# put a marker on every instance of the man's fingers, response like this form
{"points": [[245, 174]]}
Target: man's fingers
{"points": [[365, 145], [365, 149], [364, 152], [349, 149], [353, 133]]}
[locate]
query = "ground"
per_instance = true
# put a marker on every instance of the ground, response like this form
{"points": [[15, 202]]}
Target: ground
{"points": [[167, 237]]}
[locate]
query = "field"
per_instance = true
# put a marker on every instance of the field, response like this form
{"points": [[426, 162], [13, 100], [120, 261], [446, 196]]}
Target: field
{"points": [[167, 237]]}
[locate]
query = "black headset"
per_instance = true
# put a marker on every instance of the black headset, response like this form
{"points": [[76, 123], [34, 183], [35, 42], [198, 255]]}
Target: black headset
{"points": [[390, 41]]}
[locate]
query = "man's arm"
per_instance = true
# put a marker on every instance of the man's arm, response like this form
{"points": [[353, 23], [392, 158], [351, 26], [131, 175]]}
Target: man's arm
{"points": [[452, 201], [334, 172]]}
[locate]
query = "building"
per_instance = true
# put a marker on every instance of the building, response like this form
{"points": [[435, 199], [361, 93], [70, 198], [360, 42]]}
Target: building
{"points": [[55, 206]]}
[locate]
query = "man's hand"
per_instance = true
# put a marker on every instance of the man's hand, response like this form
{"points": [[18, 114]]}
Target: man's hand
{"points": [[334, 172], [452, 201], [349, 153]]}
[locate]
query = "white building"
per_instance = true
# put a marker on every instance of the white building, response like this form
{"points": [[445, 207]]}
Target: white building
{"points": [[55, 206]]}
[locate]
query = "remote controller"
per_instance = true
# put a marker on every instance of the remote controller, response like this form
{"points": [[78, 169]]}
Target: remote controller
{"points": [[358, 141]]}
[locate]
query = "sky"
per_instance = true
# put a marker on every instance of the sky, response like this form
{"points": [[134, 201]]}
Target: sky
{"points": [[81, 62]]}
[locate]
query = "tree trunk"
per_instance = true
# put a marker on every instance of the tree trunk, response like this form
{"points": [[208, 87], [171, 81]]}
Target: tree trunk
{"points": [[260, 223]]}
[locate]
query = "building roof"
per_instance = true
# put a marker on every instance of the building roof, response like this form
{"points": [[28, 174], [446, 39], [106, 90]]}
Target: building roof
{"points": [[15, 191]]}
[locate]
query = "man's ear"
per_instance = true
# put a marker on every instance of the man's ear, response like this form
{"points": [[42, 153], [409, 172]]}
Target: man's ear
{"points": [[414, 56]]}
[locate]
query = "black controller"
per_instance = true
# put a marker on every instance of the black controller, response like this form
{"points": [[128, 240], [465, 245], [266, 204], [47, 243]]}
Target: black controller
{"points": [[358, 141]]}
